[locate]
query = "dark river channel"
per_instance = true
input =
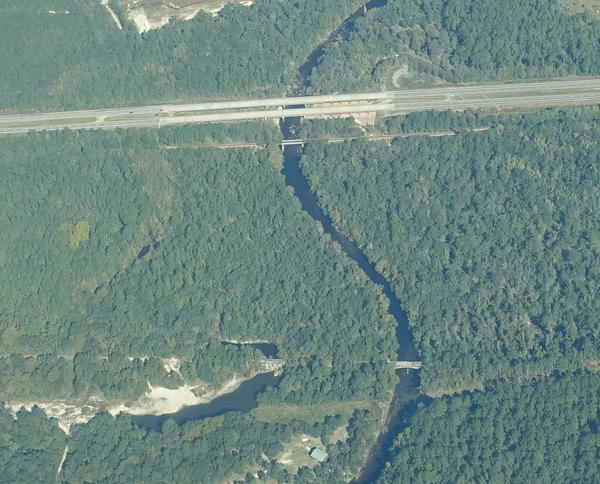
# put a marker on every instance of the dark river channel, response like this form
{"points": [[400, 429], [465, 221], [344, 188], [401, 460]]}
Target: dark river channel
{"points": [[407, 390], [244, 398], [267, 349], [341, 33]]}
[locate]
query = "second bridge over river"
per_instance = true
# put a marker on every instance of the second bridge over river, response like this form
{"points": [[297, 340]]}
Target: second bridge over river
{"points": [[276, 363]]}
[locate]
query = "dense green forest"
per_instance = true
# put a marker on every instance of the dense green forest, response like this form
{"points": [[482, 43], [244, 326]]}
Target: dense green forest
{"points": [[115, 247], [490, 238], [545, 431], [63, 61], [31, 447], [207, 451], [415, 41], [233, 447], [542, 432], [122, 250]]}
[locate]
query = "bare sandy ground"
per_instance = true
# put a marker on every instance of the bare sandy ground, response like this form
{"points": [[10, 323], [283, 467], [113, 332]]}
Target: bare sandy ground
{"points": [[65, 413], [156, 401], [62, 461], [149, 17], [172, 365], [160, 400]]}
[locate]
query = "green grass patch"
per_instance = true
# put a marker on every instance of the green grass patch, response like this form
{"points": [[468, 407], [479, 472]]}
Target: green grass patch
{"points": [[339, 435], [295, 453]]}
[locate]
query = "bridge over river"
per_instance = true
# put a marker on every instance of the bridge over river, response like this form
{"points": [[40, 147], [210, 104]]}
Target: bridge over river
{"points": [[276, 363], [457, 97]]}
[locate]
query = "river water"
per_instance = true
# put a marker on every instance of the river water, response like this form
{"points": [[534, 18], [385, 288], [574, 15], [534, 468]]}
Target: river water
{"points": [[341, 33], [244, 398], [407, 389], [270, 350], [406, 392]]}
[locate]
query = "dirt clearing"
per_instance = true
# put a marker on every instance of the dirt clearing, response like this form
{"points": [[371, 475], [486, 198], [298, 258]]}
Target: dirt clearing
{"points": [[153, 14], [581, 6]]}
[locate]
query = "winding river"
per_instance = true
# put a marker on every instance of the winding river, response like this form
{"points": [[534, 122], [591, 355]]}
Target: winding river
{"points": [[407, 389], [406, 392], [341, 33], [245, 397]]}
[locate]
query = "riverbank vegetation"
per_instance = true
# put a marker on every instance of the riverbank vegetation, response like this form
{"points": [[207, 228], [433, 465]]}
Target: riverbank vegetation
{"points": [[108, 449], [30, 446], [123, 252], [58, 61], [414, 41], [184, 248], [307, 413], [206, 451], [490, 239], [546, 431]]}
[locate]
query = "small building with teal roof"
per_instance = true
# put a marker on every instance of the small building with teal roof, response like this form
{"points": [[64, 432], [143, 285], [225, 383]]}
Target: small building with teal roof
{"points": [[318, 454]]}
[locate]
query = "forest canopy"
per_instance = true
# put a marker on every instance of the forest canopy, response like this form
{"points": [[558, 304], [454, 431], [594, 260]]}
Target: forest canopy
{"points": [[120, 252], [542, 432], [131, 260], [490, 239], [416, 41], [81, 59]]}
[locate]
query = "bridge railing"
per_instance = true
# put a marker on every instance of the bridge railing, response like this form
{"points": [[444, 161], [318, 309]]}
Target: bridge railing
{"points": [[279, 362]]}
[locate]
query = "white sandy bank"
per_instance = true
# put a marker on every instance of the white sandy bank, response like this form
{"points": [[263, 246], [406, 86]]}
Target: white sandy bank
{"points": [[160, 400]]}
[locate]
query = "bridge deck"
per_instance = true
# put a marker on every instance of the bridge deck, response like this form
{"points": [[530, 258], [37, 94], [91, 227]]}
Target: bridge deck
{"points": [[411, 365], [279, 362]]}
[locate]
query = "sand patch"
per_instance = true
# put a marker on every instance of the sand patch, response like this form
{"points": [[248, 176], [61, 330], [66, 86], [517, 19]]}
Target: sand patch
{"points": [[154, 14], [172, 365], [156, 401], [339, 435], [62, 461], [65, 413], [572, 7], [160, 400]]}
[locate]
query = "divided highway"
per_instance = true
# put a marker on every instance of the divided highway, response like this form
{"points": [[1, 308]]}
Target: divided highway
{"points": [[440, 98]]}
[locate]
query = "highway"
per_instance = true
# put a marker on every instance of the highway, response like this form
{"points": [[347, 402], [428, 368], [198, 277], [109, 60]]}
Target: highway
{"points": [[440, 98]]}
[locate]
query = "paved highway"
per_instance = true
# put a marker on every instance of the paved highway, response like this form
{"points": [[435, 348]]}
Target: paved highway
{"points": [[455, 97]]}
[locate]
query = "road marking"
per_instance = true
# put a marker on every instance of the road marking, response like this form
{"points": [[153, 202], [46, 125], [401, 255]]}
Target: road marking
{"points": [[391, 102]]}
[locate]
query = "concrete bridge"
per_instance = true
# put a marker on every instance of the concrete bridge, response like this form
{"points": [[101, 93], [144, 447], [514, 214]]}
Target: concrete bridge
{"points": [[409, 365], [457, 97], [292, 142], [272, 363], [276, 363]]}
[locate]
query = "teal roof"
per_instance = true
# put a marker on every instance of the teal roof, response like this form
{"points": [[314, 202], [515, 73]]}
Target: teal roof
{"points": [[318, 454]]}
